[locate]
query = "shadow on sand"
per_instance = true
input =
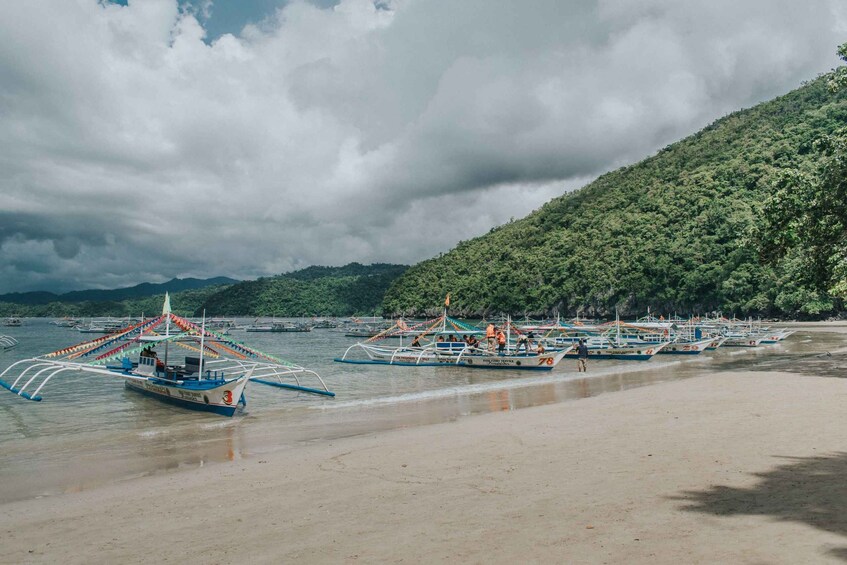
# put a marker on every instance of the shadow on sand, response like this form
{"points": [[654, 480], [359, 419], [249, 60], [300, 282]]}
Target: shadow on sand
{"points": [[810, 490], [807, 364]]}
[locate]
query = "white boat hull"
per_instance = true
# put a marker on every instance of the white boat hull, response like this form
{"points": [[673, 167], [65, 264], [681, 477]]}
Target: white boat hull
{"points": [[479, 360], [220, 397]]}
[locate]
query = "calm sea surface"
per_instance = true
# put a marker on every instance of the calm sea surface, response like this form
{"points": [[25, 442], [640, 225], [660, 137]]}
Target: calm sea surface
{"points": [[89, 430]]}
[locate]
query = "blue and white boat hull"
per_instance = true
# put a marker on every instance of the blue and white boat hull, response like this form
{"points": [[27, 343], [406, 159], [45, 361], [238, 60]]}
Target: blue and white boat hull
{"points": [[217, 396]]}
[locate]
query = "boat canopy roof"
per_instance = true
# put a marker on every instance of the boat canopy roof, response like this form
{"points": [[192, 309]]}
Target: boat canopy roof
{"points": [[168, 328]]}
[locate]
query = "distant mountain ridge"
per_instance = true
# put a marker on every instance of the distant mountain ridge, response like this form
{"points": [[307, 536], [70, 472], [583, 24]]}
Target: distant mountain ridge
{"points": [[324, 291], [115, 295]]}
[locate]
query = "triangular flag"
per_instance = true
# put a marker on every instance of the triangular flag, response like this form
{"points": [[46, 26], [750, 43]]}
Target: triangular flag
{"points": [[166, 307], [447, 300]]}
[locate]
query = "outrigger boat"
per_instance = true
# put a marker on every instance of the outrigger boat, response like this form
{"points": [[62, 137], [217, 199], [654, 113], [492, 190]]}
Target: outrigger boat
{"points": [[605, 348], [7, 342], [675, 336], [605, 341], [776, 335], [275, 326], [105, 326], [432, 346], [211, 376]]}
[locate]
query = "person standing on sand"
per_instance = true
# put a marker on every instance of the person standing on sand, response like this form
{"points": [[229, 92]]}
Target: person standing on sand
{"points": [[581, 355]]}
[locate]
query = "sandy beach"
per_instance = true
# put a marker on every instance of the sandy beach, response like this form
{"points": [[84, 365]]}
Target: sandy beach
{"points": [[731, 467]]}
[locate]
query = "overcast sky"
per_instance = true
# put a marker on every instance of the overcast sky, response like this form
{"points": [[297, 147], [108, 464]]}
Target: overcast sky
{"points": [[161, 138]]}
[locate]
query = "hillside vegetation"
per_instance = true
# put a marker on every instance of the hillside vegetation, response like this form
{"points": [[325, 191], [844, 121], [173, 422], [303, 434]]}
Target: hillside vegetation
{"points": [[323, 291], [184, 303], [142, 290], [677, 232]]}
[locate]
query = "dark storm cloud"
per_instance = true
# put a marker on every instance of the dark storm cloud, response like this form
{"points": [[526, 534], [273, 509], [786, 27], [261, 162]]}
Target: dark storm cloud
{"points": [[135, 146]]}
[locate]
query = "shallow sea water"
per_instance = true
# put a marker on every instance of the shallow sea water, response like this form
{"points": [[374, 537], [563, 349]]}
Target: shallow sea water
{"points": [[89, 430]]}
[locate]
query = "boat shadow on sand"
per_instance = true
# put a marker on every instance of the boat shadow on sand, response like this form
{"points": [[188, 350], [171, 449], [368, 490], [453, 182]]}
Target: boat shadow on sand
{"points": [[809, 490]]}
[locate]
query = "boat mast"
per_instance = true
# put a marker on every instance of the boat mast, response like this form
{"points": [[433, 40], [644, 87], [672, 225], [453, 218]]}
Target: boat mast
{"points": [[166, 311], [509, 333], [618, 326], [202, 335]]}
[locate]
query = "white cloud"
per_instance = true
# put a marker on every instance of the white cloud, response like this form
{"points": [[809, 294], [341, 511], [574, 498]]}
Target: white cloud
{"points": [[131, 149]]}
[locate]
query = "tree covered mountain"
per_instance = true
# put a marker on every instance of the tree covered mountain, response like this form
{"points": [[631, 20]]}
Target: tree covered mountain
{"points": [[184, 303], [679, 231], [115, 295], [326, 291]]}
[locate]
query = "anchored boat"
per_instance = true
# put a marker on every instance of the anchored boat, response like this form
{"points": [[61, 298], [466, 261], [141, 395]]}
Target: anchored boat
{"points": [[198, 369], [443, 342], [7, 342]]}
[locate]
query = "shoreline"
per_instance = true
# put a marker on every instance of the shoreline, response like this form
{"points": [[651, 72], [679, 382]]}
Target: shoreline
{"points": [[177, 442], [730, 466]]}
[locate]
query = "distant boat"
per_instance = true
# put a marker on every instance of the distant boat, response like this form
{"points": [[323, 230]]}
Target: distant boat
{"points": [[13, 322], [365, 331], [324, 323], [7, 342], [743, 340], [279, 327], [603, 348], [104, 326], [66, 322]]}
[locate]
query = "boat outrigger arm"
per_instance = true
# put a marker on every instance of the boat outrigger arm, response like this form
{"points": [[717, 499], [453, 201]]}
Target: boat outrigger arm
{"points": [[226, 361]]}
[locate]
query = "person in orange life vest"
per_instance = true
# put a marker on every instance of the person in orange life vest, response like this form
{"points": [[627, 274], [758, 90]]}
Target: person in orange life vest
{"points": [[501, 342], [490, 332]]}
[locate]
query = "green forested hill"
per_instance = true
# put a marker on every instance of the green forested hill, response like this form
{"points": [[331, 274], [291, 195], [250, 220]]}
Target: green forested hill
{"points": [[184, 303], [325, 291], [138, 291], [676, 232]]}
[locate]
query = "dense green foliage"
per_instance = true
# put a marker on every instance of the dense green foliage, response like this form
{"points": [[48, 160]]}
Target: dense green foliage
{"points": [[183, 303], [115, 295], [677, 232], [805, 223], [322, 291]]}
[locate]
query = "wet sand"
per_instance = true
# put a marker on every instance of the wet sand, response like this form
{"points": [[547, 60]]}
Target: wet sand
{"points": [[731, 466]]}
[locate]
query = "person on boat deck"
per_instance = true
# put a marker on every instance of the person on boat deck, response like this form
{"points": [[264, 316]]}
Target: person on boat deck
{"points": [[152, 353], [581, 355], [417, 341], [523, 341], [490, 333], [441, 338], [148, 352], [540, 348], [472, 342], [501, 342]]}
